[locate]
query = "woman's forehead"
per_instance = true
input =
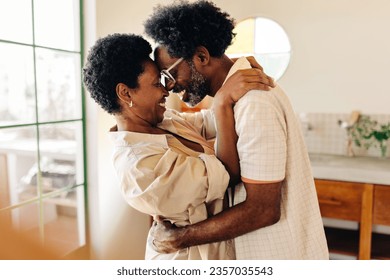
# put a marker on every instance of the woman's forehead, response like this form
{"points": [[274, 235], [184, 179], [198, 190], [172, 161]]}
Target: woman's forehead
{"points": [[150, 69]]}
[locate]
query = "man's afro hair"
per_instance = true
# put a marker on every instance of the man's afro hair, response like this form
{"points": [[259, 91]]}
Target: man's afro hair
{"points": [[116, 58], [181, 27]]}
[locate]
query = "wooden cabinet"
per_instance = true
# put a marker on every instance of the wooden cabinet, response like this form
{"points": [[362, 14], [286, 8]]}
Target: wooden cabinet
{"points": [[366, 204], [382, 205]]}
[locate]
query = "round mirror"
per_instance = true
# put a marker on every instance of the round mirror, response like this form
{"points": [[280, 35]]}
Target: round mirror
{"points": [[264, 39]]}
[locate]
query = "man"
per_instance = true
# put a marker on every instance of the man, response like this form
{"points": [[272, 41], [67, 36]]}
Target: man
{"points": [[275, 213]]}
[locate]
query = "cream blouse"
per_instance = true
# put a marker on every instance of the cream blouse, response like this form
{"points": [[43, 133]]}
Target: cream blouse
{"points": [[159, 175]]}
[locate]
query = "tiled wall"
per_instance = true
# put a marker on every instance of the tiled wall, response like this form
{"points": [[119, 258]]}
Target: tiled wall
{"points": [[324, 135]]}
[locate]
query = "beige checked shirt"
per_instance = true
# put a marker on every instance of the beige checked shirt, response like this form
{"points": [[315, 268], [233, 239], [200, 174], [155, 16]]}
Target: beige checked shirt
{"points": [[271, 148]]}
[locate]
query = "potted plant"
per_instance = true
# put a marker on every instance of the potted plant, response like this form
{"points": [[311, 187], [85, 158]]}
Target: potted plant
{"points": [[369, 133]]}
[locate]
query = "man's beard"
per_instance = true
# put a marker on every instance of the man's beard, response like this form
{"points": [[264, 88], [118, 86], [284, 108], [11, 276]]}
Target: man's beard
{"points": [[197, 87]]}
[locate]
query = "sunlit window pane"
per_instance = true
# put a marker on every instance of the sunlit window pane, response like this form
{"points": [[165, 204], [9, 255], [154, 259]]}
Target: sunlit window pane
{"points": [[58, 85], [23, 233], [270, 37], [15, 21], [17, 94], [274, 64], [265, 40], [25, 219], [243, 42], [41, 126], [61, 155], [18, 165], [64, 220], [57, 24]]}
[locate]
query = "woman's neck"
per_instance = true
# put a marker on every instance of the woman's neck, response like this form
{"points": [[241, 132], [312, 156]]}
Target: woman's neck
{"points": [[130, 124], [136, 124]]}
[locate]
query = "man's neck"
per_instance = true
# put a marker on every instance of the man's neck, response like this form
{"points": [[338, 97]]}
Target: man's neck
{"points": [[222, 68]]}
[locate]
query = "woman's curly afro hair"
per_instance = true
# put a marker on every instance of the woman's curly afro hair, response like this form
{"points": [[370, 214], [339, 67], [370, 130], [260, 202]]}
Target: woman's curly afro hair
{"points": [[116, 58], [182, 27]]}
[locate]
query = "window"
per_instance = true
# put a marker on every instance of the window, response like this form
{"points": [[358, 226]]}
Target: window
{"points": [[265, 40], [42, 123]]}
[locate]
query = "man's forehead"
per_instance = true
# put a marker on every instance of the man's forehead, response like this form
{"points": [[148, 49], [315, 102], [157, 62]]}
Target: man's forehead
{"points": [[163, 58]]}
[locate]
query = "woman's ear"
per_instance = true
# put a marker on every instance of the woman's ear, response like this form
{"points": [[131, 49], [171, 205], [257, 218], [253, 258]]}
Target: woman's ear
{"points": [[123, 93]]}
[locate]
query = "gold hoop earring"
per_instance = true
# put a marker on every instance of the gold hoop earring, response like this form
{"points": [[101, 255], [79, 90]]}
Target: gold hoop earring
{"points": [[131, 103]]}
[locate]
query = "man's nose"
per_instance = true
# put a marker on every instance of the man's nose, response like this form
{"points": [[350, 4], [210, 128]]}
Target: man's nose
{"points": [[169, 84]]}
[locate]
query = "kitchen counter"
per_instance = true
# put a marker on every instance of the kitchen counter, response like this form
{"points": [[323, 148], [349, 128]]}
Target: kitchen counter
{"points": [[352, 169]]}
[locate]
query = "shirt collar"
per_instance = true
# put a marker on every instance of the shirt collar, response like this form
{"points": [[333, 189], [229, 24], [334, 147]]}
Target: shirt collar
{"points": [[241, 63], [128, 138]]}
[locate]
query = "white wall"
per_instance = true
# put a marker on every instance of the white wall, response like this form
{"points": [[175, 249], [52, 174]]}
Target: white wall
{"points": [[340, 62], [341, 51], [116, 230]]}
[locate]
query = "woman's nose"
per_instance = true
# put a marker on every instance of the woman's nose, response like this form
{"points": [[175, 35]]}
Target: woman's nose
{"points": [[165, 91]]}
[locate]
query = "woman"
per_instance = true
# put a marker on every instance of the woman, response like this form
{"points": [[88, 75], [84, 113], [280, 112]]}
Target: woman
{"points": [[165, 164]]}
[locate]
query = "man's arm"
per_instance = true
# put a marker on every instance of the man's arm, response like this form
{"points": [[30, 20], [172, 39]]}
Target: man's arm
{"points": [[260, 209], [260, 129]]}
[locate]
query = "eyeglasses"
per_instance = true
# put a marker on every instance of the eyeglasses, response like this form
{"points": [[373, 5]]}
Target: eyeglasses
{"points": [[166, 75]]}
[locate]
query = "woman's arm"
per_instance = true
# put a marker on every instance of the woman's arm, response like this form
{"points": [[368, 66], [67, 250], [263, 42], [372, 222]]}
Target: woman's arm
{"points": [[237, 85], [156, 180], [226, 149], [234, 88]]}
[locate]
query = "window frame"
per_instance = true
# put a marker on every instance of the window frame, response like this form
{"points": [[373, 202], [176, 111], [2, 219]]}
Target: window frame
{"points": [[41, 197]]}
